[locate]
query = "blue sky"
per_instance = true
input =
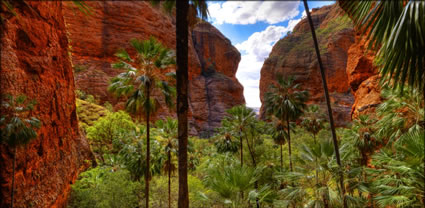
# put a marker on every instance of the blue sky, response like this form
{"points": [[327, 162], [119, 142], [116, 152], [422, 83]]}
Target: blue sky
{"points": [[253, 27]]}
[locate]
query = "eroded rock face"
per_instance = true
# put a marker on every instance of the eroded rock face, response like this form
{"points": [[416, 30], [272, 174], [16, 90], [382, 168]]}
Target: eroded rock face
{"points": [[35, 62], [363, 78], [294, 55], [95, 39]]}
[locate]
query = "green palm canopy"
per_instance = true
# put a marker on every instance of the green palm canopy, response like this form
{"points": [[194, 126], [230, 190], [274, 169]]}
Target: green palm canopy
{"points": [[396, 30], [142, 75]]}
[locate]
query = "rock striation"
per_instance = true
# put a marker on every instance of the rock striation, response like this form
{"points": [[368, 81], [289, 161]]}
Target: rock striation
{"points": [[295, 56], [35, 62], [213, 60]]}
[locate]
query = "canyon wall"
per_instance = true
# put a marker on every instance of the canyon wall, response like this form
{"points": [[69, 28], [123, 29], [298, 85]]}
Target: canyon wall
{"points": [[295, 56], [35, 62], [213, 60]]}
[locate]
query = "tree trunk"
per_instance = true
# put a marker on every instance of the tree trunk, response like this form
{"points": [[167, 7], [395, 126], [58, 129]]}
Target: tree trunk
{"points": [[12, 194], [281, 157], [289, 144], [169, 179], [251, 152], [148, 149], [325, 88], [316, 161], [182, 97], [241, 146]]}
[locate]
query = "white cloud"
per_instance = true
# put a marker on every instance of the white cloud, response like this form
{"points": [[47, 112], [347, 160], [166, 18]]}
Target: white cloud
{"points": [[251, 12], [256, 49]]}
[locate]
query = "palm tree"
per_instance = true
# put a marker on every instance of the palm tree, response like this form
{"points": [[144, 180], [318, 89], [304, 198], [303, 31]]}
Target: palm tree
{"points": [[279, 135], [313, 123], [399, 178], [396, 32], [239, 117], [328, 102], [286, 102], [182, 31], [140, 79], [17, 127], [168, 129]]}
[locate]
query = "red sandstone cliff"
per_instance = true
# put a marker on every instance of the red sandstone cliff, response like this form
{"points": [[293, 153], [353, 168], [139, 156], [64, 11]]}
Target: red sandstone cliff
{"points": [[94, 40], [294, 55], [35, 61]]}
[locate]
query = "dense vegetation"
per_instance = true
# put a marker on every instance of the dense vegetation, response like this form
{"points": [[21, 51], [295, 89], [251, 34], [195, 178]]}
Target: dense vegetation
{"points": [[247, 162]]}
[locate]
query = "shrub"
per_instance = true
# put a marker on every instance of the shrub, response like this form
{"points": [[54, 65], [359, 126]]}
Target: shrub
{"points": [[105, 188]]}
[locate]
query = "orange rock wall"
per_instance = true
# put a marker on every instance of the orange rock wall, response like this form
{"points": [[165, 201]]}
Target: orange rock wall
{"points": [[35, 62], [363, 78], [95, 38], [294, 55]]}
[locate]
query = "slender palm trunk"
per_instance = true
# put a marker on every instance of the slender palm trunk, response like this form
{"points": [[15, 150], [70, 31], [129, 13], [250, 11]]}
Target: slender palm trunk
{"points": [[148, 148], [12, 194], [182, 97], [281, 156], [169, 179], [251, 152], [241, 146], [289, 144], [316, 161], [325, 88]]}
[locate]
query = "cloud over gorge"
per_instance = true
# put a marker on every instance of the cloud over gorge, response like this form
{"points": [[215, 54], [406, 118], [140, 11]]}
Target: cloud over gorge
{"points": [[255, 50], [251, 12]]}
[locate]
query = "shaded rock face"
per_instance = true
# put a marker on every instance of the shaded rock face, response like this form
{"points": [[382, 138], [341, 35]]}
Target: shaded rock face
{"points": [[95, 39], [35, 62], [217, 88], [294, 55]]}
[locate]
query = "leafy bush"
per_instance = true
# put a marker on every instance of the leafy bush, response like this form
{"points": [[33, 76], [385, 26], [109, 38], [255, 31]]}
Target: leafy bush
{"points": [[108, 133], [105, 188]]}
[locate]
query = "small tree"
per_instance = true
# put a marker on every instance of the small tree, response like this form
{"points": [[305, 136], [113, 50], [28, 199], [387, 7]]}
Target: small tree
{"points": [[313, 123], [237, 123], [168, 129], [138, 82], [286, 101], [17, 127]]}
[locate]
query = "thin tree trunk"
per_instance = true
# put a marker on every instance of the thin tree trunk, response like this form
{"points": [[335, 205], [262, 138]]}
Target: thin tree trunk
{"points": [[169, 179], [289, 144], [182, 97], [316, 161], [12, 194], [281, 156], [148, 149], [325, 88], [241, 146], [255, 165]]}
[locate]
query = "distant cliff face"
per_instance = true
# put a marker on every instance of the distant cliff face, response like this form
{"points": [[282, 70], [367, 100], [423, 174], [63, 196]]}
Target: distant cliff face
{"points": [[35, 62], [95, 38], [295, 56]]}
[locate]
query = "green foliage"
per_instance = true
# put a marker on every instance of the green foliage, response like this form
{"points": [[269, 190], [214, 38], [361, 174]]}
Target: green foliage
{"points": [[88, 113], [105, 188], [141, 76], [108, 106], [108, 134], [17, 125], [396, 31], [79, 68], [133, 155]]}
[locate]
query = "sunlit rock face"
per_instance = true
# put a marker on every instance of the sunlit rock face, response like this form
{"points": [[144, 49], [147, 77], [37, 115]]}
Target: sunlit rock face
{"points": [[95, 39], [35, 62], [295, 56], [363, 78]]}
